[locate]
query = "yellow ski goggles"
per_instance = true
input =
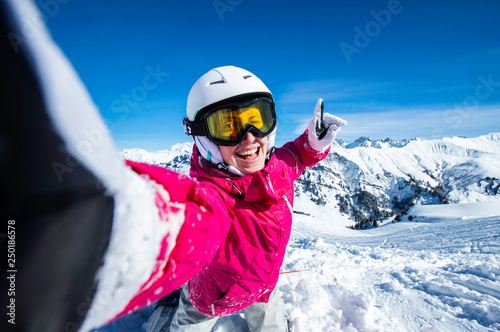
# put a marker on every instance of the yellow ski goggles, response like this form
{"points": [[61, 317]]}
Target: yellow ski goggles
{"points": [[229, 124]]}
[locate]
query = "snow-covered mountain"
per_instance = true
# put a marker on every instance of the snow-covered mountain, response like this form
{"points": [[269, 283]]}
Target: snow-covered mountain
{"points": [[367, 182], [366, 142], [159, 157]]}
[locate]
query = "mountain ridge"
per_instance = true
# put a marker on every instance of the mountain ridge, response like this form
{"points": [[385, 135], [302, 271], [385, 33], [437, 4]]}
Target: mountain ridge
{"points": [[372, 181]]}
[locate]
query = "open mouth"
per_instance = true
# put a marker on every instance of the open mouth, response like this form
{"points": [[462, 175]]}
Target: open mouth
{"points": [[248, 155]]}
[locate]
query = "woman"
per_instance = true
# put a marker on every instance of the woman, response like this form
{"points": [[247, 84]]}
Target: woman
{"points": [[249, 185]]}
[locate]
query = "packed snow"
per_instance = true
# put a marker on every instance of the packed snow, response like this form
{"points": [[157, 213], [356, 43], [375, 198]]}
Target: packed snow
{"points": [[438, 272], [435, 273]]}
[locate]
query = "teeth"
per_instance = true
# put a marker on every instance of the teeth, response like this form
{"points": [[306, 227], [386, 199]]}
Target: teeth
{"points": [[247, 153]]}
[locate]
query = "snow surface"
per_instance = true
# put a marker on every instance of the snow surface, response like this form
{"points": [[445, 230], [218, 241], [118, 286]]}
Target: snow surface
{"points": [[438, 272]]}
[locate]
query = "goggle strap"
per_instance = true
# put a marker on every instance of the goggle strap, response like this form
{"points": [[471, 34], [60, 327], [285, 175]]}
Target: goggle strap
{"points": [[193, 128]]}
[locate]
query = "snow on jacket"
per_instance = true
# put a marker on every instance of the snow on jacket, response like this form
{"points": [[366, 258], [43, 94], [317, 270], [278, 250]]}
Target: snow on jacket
{"points": [[255, 215]]}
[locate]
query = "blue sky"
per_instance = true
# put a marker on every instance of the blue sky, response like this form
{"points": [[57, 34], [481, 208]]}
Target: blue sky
{"points": [[399, 69]]}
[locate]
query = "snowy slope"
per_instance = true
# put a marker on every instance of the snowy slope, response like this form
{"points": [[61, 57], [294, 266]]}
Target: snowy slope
{"points": [[438, 272]]}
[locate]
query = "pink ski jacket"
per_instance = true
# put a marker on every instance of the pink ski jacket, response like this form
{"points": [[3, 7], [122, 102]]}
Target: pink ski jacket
{"points": [[233, 239], [255, 220]]}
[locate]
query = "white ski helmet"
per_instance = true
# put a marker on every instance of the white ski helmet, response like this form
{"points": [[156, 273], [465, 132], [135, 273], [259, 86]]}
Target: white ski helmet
{"points": [[217, 85]]}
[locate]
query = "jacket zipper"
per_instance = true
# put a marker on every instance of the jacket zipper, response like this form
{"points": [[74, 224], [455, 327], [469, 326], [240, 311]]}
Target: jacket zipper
{"points": [[270, 184], [234, 186], [284, 196], [288, 203]]}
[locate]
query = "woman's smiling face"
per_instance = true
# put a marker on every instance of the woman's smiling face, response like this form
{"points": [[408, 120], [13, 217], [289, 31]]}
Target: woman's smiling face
{"points": [[249, 156]]}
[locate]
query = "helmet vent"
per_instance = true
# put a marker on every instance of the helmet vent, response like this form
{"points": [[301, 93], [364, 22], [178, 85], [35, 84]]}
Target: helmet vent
{"points": [[246, 76], [217, 82]]}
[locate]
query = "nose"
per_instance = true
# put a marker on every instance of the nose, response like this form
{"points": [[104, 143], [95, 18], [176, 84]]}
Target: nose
{"points": [[249, 138]]}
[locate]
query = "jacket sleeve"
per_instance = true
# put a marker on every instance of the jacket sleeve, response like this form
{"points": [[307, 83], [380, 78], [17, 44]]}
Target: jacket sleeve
{"points": [[182, 255], [303, 154]]}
